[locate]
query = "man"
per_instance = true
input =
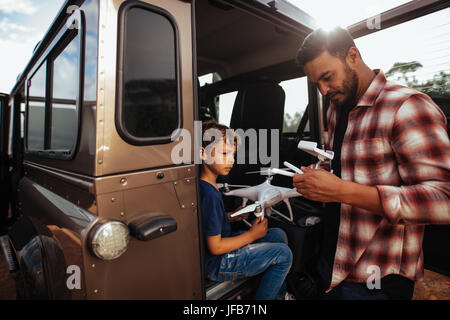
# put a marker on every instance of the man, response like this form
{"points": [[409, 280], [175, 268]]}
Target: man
{"points": [[391, 173]]}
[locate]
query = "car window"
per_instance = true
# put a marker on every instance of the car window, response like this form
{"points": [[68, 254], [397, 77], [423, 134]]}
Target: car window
{"points": [[36, 109], [209, 78], [225, 103], [22, 119], [418, 55], [64, 118], [150, 106], [296, 101]]}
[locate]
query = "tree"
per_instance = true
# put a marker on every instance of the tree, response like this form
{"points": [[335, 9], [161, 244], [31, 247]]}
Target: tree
{"points": [[438, 85], [291, 123], [404, 68]]}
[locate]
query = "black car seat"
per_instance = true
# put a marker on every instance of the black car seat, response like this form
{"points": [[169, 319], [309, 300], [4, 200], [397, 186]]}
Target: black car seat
{"points": [[259, 105]]}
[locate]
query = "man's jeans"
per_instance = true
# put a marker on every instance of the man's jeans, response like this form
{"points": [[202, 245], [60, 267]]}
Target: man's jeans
{"points": [[269, 254], [345, 290]]}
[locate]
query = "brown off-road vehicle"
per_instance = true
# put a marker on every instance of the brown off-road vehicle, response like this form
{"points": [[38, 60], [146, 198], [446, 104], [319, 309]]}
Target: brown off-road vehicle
{"points": [[96, 206]]}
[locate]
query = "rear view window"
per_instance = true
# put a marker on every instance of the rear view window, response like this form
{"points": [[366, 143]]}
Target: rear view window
{"points": [[149, 101]]}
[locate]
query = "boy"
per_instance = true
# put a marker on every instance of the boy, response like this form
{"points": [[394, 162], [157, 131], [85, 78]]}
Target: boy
{"points": [[244, 254]]}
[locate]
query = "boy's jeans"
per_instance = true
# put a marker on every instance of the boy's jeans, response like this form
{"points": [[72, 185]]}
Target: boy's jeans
{"points": [[269, 254]]}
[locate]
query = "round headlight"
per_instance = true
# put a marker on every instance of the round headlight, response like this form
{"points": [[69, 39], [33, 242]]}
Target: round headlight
{"points": [[109, 240]]}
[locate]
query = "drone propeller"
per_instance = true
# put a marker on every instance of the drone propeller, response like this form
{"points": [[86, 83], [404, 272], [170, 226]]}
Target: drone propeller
{"points": [[273, 171], [255, 207], [224, 185], [252, 172], [265, 170], [293, 168]]}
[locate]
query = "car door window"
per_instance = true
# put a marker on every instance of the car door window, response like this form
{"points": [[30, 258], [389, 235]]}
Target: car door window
{"points": [[149, 106], [36, 109], [65, 93]]}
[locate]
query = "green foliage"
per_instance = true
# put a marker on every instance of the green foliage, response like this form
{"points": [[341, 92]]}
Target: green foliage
{"points": [[290, 123], [403, 68], [438, 85]]}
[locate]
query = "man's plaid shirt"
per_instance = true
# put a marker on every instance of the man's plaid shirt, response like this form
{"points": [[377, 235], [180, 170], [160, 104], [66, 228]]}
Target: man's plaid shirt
{"points": [[396, 140]]}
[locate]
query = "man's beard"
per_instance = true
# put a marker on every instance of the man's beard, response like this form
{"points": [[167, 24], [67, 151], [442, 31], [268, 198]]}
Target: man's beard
{"points": [[349, 88]]}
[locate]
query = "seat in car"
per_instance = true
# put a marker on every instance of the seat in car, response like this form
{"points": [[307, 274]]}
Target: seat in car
{"points": [[259, 105]]}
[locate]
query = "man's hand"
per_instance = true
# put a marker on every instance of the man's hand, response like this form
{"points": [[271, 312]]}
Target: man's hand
{"points": [[318, 185], [323, 186]]}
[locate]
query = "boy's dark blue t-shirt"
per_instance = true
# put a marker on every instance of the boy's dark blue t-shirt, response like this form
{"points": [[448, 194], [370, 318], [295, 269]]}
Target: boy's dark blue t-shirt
{"points": [[214, 219]]}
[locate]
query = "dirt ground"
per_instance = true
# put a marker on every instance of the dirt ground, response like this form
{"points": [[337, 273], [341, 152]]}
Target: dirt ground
{"points": [[435, 286]]}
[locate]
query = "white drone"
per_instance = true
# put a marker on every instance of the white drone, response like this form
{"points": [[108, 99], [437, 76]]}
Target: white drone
{"points": [[266, 195]]}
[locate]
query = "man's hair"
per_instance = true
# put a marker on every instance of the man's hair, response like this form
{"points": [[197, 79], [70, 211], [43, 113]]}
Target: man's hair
{"points": [[228, 134], [336, 41]]}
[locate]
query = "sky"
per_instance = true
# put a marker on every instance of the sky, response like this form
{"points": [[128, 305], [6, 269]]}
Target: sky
{"points": [[331, 13], [24, 22], [426, 39]]}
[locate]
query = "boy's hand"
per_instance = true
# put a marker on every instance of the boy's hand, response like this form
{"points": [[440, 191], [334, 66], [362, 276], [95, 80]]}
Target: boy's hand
{"points": [[259, 229]]}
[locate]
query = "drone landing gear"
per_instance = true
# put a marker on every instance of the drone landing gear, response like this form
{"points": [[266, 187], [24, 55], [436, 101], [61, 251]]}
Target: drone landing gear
{"points": [[270, 210], [291, 216]]}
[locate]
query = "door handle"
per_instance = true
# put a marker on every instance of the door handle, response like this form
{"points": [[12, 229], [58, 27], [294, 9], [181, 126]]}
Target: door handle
{"points": [[151, 226]]}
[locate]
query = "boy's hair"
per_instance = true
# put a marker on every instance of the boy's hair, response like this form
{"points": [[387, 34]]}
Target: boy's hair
{"points": [[336, 41], [228, 134]]}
